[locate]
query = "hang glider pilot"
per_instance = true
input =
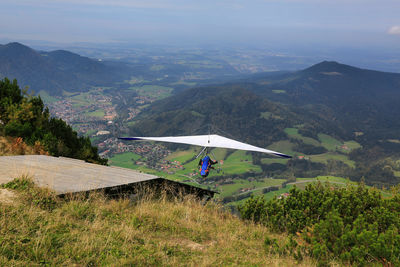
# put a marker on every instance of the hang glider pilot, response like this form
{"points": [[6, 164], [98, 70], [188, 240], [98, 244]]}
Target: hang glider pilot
{"points": [[205, 166]]}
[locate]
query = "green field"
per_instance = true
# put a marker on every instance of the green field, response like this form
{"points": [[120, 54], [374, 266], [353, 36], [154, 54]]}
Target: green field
{"points": [[294, 133], [47, 98], [352, 145], [329, 142], [323, 158], [332, 179], [271, 195], [90, 132], [66, 93], [267, 196], [97, 113], [239, 162], [182, 155], [80, 100], [274, 160], [282, 146], [125, 160], [156, 91], [279, 91], [256, 186], [182, 82]]}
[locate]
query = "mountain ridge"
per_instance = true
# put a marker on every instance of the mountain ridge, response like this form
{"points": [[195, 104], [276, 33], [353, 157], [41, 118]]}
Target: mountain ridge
{"points": [[57, 71]]}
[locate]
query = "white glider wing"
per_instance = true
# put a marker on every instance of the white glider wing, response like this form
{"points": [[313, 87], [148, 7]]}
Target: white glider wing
{"points": [[212, 140]]}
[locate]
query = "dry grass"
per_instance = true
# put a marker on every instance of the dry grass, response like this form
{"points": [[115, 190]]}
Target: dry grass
{"points": [[10, 146], [41, 229]]}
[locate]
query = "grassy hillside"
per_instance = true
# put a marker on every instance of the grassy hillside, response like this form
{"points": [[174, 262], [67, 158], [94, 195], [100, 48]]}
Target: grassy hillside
{"points": [[37, 228]]}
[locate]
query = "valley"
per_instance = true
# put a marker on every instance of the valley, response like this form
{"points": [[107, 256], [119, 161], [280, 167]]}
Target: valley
{"points": [[298, 113]]}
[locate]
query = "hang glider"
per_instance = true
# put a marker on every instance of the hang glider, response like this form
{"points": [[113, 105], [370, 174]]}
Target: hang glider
{"points": [[207, 141]]}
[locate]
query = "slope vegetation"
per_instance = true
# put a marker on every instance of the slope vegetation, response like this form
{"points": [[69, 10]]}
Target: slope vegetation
{"points": [[38, 228]]}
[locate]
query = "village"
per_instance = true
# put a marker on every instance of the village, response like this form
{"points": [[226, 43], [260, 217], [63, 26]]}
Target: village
{"points": [[152, 156], [94, 111]]}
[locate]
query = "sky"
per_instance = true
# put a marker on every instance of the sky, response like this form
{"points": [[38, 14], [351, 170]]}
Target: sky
{"points": [[340, 23]]}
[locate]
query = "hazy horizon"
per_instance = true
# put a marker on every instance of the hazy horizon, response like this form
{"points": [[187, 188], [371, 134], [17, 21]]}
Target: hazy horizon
{"points": [[364, 33], [342, 23]]}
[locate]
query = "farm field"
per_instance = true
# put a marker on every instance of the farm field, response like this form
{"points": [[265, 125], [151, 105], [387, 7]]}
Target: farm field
{"points": [[153, 91], [284, 146], [47, 98], [97, 113], [125, 160], [323, 158], [294, 133]]}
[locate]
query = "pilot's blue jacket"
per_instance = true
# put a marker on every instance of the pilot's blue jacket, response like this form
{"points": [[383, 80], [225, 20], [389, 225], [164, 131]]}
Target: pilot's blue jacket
{"points": [[205, 166]]}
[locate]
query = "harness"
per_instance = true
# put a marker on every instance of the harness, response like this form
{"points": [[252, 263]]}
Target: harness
{"points": [[205, 166]]}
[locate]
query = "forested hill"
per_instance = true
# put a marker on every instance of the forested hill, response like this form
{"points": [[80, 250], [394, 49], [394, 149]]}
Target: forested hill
{"points": [[329, 83], [234, 110], [25, 119], [361, 100], [56, 71]]}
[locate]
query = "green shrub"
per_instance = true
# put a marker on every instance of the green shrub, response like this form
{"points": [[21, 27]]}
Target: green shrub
{"points": [[353, 224]]}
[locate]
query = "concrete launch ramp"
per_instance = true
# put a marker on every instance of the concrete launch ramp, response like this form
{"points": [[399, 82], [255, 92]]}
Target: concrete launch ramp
{"points": [[65, 175]]}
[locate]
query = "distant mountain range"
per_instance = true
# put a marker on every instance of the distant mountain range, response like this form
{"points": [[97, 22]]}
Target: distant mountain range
{"points": [[58, 70]]}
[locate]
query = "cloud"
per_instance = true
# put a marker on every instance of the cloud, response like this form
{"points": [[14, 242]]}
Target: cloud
{"points": [[395, 30]]}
